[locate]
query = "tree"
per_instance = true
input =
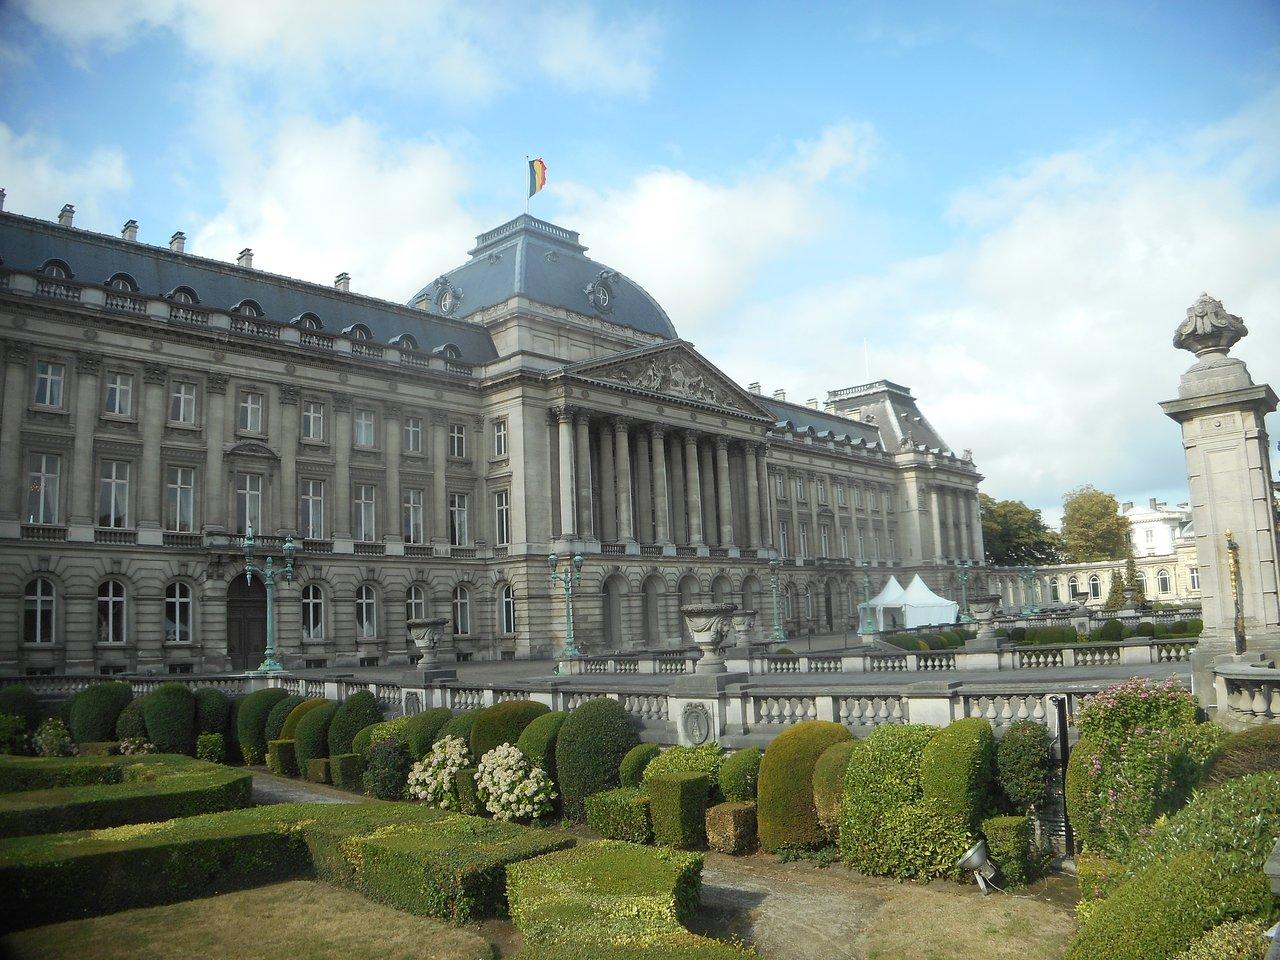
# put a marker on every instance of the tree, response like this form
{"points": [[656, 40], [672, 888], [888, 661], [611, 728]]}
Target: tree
{"points": [[1092, 527], [1115, 596], [1014, 534], [1131, 571]]}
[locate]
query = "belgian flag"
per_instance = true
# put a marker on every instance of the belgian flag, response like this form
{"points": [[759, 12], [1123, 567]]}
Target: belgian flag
{"points": [[537, 175]]}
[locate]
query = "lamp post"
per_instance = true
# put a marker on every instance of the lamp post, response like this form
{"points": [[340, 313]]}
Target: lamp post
{"points": [[267, 574], [774, 566], [568, 579], [866, 620], [963, 576], [1027, 576]]}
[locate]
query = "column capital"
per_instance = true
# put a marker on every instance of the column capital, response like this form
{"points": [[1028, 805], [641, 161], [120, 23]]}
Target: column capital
{"points": [[691, 437], [581, 415], [217, 383], [658, 430], [289, 395], [564, 414], [155, 373], [89, 363], [621, 424], [721, 441], [393, 411]]}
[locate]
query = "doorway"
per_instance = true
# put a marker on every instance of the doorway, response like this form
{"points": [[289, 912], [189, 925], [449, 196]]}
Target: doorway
{"points": [[246, 624]]}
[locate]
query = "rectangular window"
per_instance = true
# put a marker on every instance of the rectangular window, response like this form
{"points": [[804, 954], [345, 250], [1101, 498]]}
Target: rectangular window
{"points": [[365, 428], [862, 546], [844, 542], [250, 417], [248, 502], [871, 500], [182, 403], [502, 518], [113, 494], [50, 379], [780, 482], [458, 534], [180, 499], [120, 394], [312, 420], [366, 515], [840, 495], [43, 471], [822, 491], [412, 510], [1195, 577], [891, 556], [457, 441], [500, 438], [824, 540], [784, 538], [875, 548], [803, 551], [857, 497], [800, 489], [412, 434], [312, 518]]}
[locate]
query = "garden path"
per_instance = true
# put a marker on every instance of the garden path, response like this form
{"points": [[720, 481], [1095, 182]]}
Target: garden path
{"points": [[268, 788]]}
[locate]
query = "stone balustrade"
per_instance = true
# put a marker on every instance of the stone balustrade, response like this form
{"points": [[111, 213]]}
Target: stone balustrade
{"points": [[1248, 693]]}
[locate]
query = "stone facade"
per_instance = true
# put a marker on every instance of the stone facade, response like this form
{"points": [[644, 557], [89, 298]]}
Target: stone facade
{"points": [[425, 461]]}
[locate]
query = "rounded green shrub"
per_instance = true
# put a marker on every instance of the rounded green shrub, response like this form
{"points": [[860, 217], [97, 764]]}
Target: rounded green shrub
{"points": [[1022, 764], [252, 720], [131, 725], [18, 700], [1195, 627], [459, 725], [591, 745], [356, 712], [828, 784], [785, 814], [1255, 750], [417, 731], [1233, 940], [288, 730], [1078, 791], [386, 769], [213, 711], [538, 741], [95, 710], [503, 723], [170, 715], [364, 737], [311, 735], [231, 741], [1111, 632], [211, 748], [958, 769], [631, 769], [704, 758], [1145, 629], [276, 718], [1009, 843], [739, 773]]}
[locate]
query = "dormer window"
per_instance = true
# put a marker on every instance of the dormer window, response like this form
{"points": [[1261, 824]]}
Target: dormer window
{"points": [[184, 295], [406, 342], [449, 351], [248, 308], [359, 331], [309, 321], [122, 282], [56, 270]]}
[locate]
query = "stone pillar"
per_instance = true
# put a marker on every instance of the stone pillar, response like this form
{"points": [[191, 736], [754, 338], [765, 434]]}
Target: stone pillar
{"points": [[679, 498], [766, 497], [753, 496], [439, 482], [975, 513], [150, 482], [287, 515], [568, 510], [215, 485], [661, 500], [83, 481], [622, 463], [707, 469], [583, 476], [608, 485], [644, 490], [340, 525], [966, 530], [1221, 412], [815, 542], [393, 524], [949, 551], [693, 489], [12, 414], [935, 508]]}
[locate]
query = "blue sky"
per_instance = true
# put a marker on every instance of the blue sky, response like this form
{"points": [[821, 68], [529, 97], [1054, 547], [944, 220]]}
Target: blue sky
{"points": [[1011, 203]]}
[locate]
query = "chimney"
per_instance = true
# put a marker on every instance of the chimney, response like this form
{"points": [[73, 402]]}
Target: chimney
{"points": [[178, 242], [1, 199], [66, 214], [1154, 503], [130, 231], [1126, 506], [343, 282], [779, 394], [812, 402], [245, 259], [753, 387]]}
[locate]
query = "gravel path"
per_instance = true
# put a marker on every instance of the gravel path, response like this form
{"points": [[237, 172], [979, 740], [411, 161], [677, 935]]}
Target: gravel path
{"points": [[268, 788]]}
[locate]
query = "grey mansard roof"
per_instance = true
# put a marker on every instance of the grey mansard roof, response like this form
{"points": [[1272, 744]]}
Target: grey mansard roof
{"points": [[531, 258], [26, 244], [804, 418]]}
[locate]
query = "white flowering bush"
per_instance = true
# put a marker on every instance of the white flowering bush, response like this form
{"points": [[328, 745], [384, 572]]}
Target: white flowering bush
{"points": [[431, 779], [510, 787], [134, 746]]}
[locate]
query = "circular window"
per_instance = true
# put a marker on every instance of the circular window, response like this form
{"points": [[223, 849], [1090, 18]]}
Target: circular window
{"points": [[445, 300]]}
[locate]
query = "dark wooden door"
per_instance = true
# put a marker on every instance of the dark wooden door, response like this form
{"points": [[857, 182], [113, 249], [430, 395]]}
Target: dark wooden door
{"points": [[246, 624]]}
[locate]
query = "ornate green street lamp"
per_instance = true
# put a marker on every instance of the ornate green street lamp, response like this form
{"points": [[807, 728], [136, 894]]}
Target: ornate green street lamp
{"points": [[963, 576], [267, 574], [867, 622], [1028, 577], [568, 579], [774, 566]]}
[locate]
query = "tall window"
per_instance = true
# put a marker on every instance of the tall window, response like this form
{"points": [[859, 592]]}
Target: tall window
{"points": [[502, 518], [50, 379], [800, 489], [312, 420], [182, 403], [857, 497], [780, 484], [312, 613], [822, 490], [803, 551], [458, 534], [844, 542], [1055, 592], [366, 518], [1095, 586], [38, 606], [1194, 573], [312, 512], [871, 500], [180, 499], [824, 540], [500, 438], [892, 554], [1164, 583], [413, 434], [875, 547], [113, 494], [862, 545], [507, 611], [366, 612], [1073, 587], [412, 517], [43, 470], [250, 416], [1142, 581], [461, 610], [457, 440], [111, 612], [840, 495], [784, 538], [120, 394], [248, 502], [364, 428], [178, 617], [415, 603]]}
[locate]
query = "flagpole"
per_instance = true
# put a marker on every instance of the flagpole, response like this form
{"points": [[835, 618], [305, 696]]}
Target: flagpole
{"points": [[526, 186]]}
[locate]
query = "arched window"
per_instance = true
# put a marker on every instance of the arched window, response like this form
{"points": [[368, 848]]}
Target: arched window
{"points": [[184, 295], [308, 321], [247, 308], [1163, 582], [111, 612], [312, 612], [406, 341], [415, 603], [123, 282], [178, 613], [1095, 586], [1142, 581], [38, 607], [1073, 587], [358, 331], [366, 612], [1055, 592], [461, 610], [56, 269], [449, 351], [507, 609]]}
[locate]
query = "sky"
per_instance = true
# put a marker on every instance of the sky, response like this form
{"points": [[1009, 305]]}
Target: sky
{"points": [[1005, 206]]}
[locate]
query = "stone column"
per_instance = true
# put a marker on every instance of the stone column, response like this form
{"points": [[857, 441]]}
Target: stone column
{"points": [[12, 414], [287, 515], [707, 468], [608, 485], [975, 525], [439, 478], [766, 496], [724, 498], [753, 496], [583, 476], [935, 509], [568, 510], [815, 541], [622, 464], [393, 524], [215, 421], [644, 489], [966, 530], [679, 499], [693, 489], [83, 481], [150, 482], [661, 505], [340, 525]]}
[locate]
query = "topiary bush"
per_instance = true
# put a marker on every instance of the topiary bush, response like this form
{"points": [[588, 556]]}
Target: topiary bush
{"points": [[418, 732], [1022, 764], [589, 749], [464, 784], [631, 769], [731, 827], [318, 769], [170, 715], [232, 741], [621, 814], [282, 759], [538, 741], [678, 809], [347, 770], [131, 725], [274, 727], [251, 721], [739, 773], [386, 769], [1009, 843], [704, 758], [1233, 940], [311, 735], [503, 723], [1254, 750], [211, 748], [289, 729], [95, 710], [785, 813], [18, 700], [213, 711], [1111, 632], [958, 767], [459, 725], [828, 784], [353, 714]]}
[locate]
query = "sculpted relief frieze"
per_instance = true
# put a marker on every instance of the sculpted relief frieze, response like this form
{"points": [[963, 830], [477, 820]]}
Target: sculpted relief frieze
{"points": [[674, 377]]}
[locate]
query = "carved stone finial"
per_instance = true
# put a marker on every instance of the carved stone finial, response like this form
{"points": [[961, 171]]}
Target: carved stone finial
{"points": [[1209, 329]]}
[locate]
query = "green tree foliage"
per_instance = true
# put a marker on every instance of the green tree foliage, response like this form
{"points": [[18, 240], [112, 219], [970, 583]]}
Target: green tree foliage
{"points": [[1014, 534], [1115, 596], [1092, 527], [1131, 573]]}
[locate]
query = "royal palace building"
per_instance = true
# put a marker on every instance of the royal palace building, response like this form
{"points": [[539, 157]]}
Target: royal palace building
{"points": [[418, 460]]}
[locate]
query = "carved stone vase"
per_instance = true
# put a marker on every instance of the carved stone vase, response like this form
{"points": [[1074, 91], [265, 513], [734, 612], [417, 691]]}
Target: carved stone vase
{"points": [[426, 635], [744, 627], [709, 625], [983, 609]]}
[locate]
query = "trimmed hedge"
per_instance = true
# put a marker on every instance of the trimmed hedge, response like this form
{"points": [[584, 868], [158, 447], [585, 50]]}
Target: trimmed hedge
{"points": [[786, 816], [273, 729], [251, 721], [282, 758], [211, 747], [503, 723], [1077, 788], [42, 773], [1234, 940], [347, 770], [731, 827], [676, 946], [957, 769], [591, 745], [704, 758], [678, 809], [464, 784], [621, 814], [232, 741], [311, 732], [354, 714], [386, 769], [95, 710], [213, 711], [170, 714], [459, 725], [1022, 764], [101, 748], [1255, 750], [18, 700], [631, 769], [1009, 843], [538, 741], [828, 784], [131, 724], [739, 773], [289, 729], [417, 732], [318, 770]]}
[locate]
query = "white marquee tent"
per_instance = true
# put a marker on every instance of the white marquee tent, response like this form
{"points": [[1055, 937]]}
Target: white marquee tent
{"points": [[914, 606]]}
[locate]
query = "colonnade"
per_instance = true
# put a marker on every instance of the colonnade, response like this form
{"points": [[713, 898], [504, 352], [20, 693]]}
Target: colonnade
{"points": [[957, 524]]}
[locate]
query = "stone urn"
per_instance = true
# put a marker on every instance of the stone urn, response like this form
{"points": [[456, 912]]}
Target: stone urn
{"points": [[709, 625], [983, 609], [744, 627], [425, 635]]}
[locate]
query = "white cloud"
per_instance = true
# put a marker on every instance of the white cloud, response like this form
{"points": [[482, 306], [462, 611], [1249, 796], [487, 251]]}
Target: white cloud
{"points": [[582, 51], [39, 175]]}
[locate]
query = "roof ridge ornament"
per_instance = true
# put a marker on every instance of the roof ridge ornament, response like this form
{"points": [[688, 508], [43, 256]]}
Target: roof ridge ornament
{"points": [[600, 291], [1209, 329]]}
